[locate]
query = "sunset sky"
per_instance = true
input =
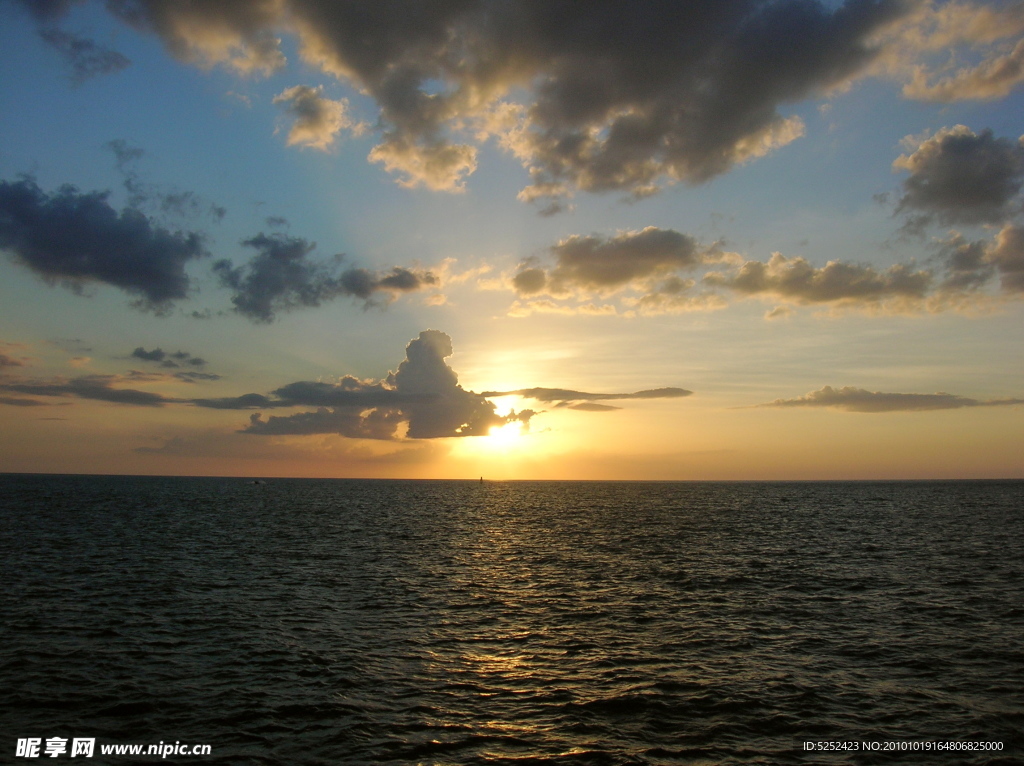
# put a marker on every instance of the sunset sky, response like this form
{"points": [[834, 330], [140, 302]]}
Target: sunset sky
{"points": [[734, 239]]}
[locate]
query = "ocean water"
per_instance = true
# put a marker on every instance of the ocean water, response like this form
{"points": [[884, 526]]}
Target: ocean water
{"points": [[445, 622]]}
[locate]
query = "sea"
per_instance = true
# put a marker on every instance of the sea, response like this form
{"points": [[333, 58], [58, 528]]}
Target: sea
{"points": [[306, 621]]}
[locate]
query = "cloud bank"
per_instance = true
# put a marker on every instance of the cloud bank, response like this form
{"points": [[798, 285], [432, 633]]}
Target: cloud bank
{"points": [[580, 400], [854, 399]]}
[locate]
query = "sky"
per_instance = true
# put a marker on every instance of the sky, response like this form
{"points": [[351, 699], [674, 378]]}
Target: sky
{"points": [[734, 239]]}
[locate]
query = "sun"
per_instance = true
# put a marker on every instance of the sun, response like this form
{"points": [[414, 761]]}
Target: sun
{"points": [[506, 435]]}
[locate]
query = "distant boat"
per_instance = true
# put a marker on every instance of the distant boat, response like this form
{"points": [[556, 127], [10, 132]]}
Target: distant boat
{"points": [[481, 479], [257, 481]]}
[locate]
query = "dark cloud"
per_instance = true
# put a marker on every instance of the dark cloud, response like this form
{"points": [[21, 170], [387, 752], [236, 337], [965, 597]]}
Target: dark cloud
{"points": [[619, 96], [77, 239], [156, 355], [964, 178], [84, 57], [95, 387], [854, 399], [165, 359], [281, 277]]}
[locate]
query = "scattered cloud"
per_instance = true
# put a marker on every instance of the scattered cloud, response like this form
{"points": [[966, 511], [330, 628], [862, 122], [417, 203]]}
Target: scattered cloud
{"points": [[318, 120], [143, 195], [655, 271], [76, 239], [282, 277], [84, 58], [840, 283], [854, 399], [959, 31]]}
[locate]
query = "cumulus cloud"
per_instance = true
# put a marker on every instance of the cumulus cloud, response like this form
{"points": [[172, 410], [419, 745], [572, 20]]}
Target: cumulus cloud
{"points": [[963, 177], [77, 239], [422, 397], [84, 58], [624, 97], [854, 399], [318, 120], [282, 276]]}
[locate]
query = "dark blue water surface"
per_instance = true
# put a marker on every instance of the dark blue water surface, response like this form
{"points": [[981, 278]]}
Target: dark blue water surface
{"points": [[445, 622]]}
